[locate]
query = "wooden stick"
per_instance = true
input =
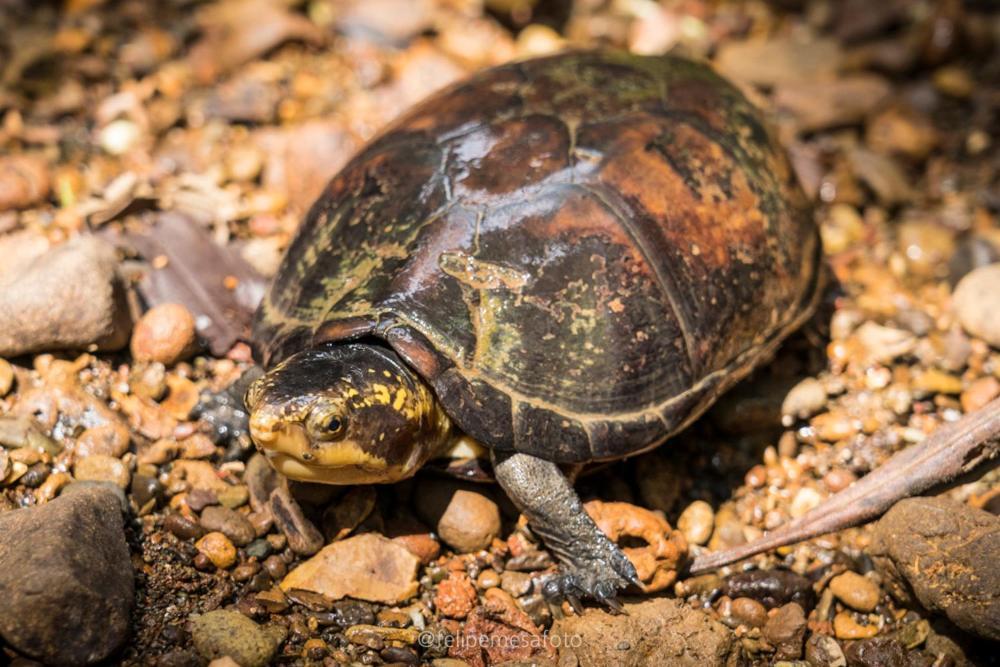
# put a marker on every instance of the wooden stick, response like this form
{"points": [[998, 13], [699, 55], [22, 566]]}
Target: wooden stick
{"points": [[953, 450]]}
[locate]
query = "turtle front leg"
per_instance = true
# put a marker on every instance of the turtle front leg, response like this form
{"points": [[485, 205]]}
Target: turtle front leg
{"points": [[593, 567]]}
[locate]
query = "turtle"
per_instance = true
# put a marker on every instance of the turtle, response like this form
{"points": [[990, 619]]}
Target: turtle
{"points": [[562, 260]]}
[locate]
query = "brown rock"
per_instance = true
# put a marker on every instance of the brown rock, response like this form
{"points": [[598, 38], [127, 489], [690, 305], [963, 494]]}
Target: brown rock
{"points": [[166, 333], [65, 564], [229, 522], [415, 536], [367, 567], [24, 180], [750, 613], [944, 554], [464, 515], [101, 468], [455, 596], [111, 439], [68, 298], [696, 522], [658, 631], [976, 302], [979, 393], [218, 549], [785, 630], [845, 626], [855, 591]]}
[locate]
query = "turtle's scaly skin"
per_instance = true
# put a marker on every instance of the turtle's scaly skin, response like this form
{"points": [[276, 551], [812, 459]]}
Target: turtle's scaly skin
{"points": [[578, 253]]}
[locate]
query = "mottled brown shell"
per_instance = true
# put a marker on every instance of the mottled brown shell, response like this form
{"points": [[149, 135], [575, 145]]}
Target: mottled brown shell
{"points": [[579, 253]]}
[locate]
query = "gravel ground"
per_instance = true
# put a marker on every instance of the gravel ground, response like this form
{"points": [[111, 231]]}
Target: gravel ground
{"points": [[155, 159]]}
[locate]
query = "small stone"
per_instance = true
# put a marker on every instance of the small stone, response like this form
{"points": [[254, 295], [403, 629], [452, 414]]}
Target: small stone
{"points": [[806, 499], [376, 635], [488, 578], [937, 382], [6, 377], [366, 567], [877, 652], [218, 549], [275, 567], [976, 302], [24, 181], [67, 298], [455, 596], [785, 630], [824, 651], [516, 583], [979, 393], [834, 426], [145, 489], [804, 400], [697, 522], [233, 496], [66, 564], [839, 479], [223, 633], [119, 137], [466, 518], [101, 468], [111, 439], [166, 333], [884, 344], [229, 522], [856, 591], [773, 588], [748, 612], [845, 627]]}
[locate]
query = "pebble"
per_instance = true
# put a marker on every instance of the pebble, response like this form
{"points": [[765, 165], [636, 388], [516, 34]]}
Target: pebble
{"points": [[66, 299], [6, 377], [102, 468], [375, 635], [786, 630], [165, 334], [979, 393], [824, 651], [275, 567], [806, 499], [804, 400], [488, 578], [24, 180], [937, 382], [119, 136], [218, 549], [914, 538], [66, 564], [834, 426], [748, 612], [233, 496], [877, 652], [516, 583], [365, 567], [464, 515], [455, 596], [773, 588], [223, 633], [857, 592], [845, 627], [839, 479], [976, 302], [229, 522], [110, 439], [697, 522]]}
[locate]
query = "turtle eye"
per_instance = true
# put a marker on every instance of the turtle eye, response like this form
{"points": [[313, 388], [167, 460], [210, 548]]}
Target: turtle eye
{"points": [[327, 425]]}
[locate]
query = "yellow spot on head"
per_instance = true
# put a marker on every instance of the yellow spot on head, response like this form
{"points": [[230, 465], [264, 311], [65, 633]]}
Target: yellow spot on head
{"points": [[387, 374], [380, 393], [400, 399]]}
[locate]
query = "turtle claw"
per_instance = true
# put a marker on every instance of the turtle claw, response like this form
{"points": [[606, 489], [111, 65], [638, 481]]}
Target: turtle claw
{"points": [[596, 580]]}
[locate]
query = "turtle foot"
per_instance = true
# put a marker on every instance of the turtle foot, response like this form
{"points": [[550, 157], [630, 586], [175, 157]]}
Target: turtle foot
{"points": [[597, 579]]}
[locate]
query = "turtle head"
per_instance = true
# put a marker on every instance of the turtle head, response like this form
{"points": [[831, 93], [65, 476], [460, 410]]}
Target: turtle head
{"points": [[345, 414]]}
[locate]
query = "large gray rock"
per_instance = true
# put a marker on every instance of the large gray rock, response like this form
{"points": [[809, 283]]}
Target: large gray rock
{"points": [[944, 554], [67, 298], [66, 580], [659, 631]]}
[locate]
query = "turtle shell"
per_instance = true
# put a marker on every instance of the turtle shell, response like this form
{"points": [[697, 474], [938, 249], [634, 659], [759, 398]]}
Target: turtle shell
{"points": [[578, 253]]}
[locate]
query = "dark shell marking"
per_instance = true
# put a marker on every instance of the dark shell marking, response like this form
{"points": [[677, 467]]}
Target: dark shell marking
{"points": [[579, 253]]}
